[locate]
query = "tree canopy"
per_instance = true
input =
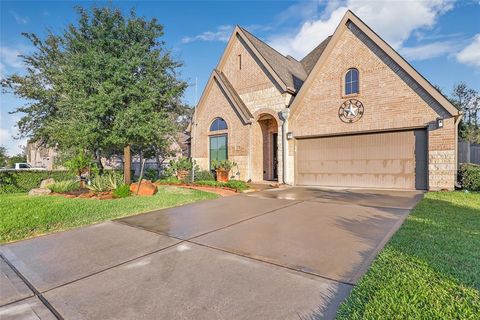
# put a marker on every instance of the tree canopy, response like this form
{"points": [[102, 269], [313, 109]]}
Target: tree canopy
{"points": [[103, 83]]}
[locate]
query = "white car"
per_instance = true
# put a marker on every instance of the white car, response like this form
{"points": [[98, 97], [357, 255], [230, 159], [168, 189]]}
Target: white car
{"points": [[26, 166]]}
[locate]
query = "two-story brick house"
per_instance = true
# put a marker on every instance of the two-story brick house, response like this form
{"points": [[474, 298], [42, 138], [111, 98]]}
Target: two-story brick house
{"points": [[351, 113]]}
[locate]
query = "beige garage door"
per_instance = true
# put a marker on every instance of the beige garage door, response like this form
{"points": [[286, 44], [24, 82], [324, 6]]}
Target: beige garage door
{"points": [[380, 160]]}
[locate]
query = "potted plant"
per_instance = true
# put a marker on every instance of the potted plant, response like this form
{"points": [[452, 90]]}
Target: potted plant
{"points": [[182, 166], [222, 168]]}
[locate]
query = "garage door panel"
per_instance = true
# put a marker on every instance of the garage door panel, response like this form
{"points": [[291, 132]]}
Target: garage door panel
{"points": [[388, 160]]}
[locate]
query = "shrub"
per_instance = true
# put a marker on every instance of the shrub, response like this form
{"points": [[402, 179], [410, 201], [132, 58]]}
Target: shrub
{"points": [[122, 191], [237, 185], [64, 186], [182, 164], [169, 180], [223, 164], [209, 183], [106, 182], [204, 175], [150, 174], [470, 177], [24, 181]]}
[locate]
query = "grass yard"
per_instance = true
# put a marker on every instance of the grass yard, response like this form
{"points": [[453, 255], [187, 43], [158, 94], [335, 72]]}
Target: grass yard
{"points": [[430, 269], [23, 216]]}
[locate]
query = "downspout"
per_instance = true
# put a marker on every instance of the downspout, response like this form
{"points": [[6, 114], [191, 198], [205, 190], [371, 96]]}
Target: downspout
{"points": [[284, 117]]}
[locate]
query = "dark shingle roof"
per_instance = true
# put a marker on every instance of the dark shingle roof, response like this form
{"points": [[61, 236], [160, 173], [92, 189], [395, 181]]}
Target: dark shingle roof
{"points": [[287, 68], [237, 101], [291, 71], [309, 61]]}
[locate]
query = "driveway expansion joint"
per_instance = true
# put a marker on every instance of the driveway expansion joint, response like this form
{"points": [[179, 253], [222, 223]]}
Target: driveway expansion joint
{"points": [[275, 264], [36, 293], [114, 266]]}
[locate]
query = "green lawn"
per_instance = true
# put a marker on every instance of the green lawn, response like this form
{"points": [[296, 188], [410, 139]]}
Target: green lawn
{"points": [[430, 269], [23, 216]]}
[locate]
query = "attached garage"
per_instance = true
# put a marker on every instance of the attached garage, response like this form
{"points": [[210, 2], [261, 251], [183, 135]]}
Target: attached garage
{"points": [[396, 160]]}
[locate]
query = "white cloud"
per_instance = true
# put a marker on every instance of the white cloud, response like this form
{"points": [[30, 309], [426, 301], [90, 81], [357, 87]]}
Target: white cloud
{"points": [[394, 21], [10, 57], [431, 50], [222, 33], [18, 18], [14, 146], [471, 54]]}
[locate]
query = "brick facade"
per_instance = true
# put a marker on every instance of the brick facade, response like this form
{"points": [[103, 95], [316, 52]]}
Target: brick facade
{"points": [[392, 101], [388, 101]]}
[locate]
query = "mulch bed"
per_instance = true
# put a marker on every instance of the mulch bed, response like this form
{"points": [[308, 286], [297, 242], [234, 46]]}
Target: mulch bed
{"points": [[86, 194], [222, 191]]}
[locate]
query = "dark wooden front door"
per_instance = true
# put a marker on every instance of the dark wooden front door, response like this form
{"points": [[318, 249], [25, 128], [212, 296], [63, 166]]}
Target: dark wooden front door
{"points": [[275, 155]]}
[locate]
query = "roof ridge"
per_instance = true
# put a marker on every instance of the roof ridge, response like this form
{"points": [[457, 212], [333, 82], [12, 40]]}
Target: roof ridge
{"points": [[275, 50]]}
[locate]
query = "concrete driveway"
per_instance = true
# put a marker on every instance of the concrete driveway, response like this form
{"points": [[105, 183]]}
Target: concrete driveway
{"points": [[290, 253]]}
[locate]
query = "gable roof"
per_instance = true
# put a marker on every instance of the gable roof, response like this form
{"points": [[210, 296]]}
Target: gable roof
{"points": [[232, 96], [287, 68], [237, 102], [348, 18], [309, 61]]}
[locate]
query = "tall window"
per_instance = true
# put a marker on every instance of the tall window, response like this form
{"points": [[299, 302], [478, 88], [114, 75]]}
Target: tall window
{"points": [[218, 148], [218, 124], [351, 81], [218, 143]]}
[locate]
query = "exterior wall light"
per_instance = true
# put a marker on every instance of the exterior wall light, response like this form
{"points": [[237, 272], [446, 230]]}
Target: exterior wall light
{"points": [[289, 135], [440, 122]]}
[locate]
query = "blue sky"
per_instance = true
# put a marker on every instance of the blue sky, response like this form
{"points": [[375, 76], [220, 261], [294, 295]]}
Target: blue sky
{"points": [[440, 38]]}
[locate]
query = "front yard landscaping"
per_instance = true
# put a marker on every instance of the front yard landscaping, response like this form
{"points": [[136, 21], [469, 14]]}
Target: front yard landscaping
{"points": [[430, 269], [23, 216]]}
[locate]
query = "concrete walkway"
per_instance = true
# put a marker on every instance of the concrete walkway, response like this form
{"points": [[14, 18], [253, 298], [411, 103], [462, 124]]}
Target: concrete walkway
{"points": [[277, 254]]}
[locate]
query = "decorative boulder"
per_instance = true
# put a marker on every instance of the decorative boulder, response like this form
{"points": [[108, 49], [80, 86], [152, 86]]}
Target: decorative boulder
{"points": [[39, 192], [47, 182], [147, 188]]}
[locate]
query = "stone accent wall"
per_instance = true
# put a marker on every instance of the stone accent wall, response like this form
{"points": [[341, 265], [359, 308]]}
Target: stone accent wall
{"points": [[389, 102], [442, 156]]}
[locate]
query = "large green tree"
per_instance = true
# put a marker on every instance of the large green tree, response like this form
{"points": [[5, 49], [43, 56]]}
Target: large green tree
{"points": [[103, 83], [468, 101]]}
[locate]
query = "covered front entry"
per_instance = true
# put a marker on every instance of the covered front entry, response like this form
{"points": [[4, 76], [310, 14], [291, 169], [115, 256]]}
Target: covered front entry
{"points": [[395, 160], [265, 157]]}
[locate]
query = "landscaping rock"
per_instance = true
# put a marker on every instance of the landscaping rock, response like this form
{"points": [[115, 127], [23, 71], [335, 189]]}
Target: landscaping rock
{"points": [[47, 182], [147, 188], [39, 192]]}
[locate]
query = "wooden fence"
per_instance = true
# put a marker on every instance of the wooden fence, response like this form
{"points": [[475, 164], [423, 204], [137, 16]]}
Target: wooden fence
{"points": [[468, 152]]}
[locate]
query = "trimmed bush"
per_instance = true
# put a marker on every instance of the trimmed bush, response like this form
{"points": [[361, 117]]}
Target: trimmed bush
{"points": [[470, 176], [122, 191], [204, 175], [24, 181], [237, 185], [64, 186]]}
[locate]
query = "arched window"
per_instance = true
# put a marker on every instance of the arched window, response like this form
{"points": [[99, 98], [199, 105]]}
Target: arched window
{"points": [[351, 81], [218, 142], [218, 124]]}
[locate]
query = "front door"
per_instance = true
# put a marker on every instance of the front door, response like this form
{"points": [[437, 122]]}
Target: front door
{"points": [[275, 155]]}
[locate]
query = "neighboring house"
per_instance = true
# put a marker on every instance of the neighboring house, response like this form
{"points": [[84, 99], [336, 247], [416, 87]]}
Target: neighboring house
{"points": [[44, 157], [39, 156], [351, 113]]}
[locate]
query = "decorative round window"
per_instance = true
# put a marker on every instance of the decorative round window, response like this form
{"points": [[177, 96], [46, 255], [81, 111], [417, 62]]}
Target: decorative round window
{"points": [[351, 111]]}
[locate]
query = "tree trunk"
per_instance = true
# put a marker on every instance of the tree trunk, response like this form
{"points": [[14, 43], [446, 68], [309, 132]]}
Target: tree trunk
{"points": [[98, 160], [127, 164]]}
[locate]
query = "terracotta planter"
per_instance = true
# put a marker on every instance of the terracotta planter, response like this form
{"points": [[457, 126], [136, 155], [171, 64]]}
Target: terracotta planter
{"points": [[182, 174], [222, 175]]}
